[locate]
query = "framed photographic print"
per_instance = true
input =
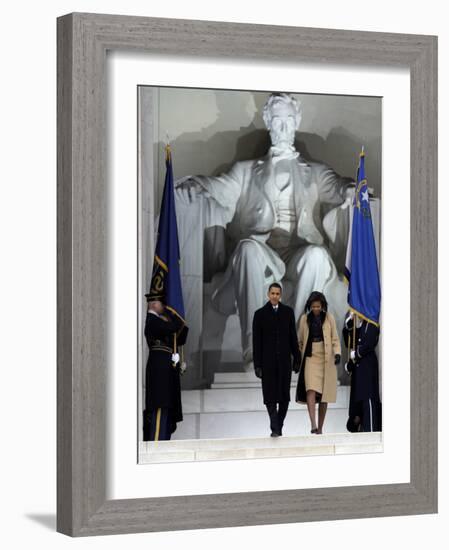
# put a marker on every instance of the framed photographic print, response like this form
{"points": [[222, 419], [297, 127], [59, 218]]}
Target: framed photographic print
{"points": [[221, 132], [106, 66]]}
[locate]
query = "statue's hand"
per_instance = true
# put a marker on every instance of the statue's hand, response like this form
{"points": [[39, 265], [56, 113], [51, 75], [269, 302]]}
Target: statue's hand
{"points": [[349, 198], [187, 190]]}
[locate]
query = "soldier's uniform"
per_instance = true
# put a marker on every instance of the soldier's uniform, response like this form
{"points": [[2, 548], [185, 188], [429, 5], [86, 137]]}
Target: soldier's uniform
{"points": [[365, 409], [163, 407]]}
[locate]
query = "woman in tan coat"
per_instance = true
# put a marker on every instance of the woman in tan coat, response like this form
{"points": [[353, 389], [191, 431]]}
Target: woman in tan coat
{"points": [[321, 352]]}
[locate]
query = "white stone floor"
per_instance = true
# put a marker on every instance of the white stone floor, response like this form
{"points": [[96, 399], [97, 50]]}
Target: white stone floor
{"points": [[233, 407], [229, 421]]}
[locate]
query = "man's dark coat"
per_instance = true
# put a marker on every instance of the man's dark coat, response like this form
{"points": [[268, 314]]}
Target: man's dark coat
{"points": [[275, 342]]}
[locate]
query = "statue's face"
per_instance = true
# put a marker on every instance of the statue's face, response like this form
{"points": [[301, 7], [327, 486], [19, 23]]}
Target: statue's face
{"points": [[283, 125]]}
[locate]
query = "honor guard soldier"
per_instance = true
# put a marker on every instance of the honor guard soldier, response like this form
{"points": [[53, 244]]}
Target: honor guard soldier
{"points": [[365, 408], [164, 332]]}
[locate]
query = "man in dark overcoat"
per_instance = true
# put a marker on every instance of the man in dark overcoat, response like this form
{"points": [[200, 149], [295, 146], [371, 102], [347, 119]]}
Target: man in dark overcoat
{"points": [[164, 331], [365, 409], [275, 343]]}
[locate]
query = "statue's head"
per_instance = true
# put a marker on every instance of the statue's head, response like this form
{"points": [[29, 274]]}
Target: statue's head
{"points": [[282, 117]]}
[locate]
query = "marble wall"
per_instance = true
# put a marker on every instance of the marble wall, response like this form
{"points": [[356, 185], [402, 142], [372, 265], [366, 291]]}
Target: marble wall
{"points": [[210, 130]]}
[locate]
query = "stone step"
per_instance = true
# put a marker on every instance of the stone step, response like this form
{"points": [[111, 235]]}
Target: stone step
{"points": [[337, 438], [243, 399], [238, 377], [231, 385], [219, 425], [260, 447]]}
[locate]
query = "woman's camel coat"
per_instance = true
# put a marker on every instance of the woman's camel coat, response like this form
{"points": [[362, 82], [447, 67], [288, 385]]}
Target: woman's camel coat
{"points": [[331, 349]]}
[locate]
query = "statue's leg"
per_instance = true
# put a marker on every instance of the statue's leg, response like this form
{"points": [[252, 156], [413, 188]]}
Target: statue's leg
{"points": [[310, 268], [254, 267]]}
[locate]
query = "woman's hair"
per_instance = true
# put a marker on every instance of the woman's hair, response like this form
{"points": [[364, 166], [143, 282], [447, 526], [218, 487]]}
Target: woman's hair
{"points": [[316, 297]]}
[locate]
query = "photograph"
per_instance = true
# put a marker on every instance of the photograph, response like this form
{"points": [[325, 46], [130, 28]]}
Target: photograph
{"points": [[261, 296]]}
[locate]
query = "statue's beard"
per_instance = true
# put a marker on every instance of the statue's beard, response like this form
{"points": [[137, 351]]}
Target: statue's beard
{"points": [[282, 141]]}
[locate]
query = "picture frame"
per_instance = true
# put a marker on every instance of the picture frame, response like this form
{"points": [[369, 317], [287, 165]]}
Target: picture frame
{"points": [[82, 505]]}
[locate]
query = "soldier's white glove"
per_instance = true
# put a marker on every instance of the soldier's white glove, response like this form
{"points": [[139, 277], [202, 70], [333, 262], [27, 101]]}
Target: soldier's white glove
{"points": [[348, 319], [349, 367], [175, 358], [353, 355]]}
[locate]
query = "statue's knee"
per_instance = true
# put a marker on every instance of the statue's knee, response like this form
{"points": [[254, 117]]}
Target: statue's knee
{"points": [[247, 250], [314, 259], [316, 253]]}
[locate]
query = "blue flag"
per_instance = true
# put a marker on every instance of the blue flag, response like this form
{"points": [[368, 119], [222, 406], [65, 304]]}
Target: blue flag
{"points": [[166, 276], [361, 269]]}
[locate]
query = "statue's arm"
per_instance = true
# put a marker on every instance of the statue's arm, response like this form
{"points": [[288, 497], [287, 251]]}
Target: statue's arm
{"points": [[333, 188], [225, 188], [220, 192]]}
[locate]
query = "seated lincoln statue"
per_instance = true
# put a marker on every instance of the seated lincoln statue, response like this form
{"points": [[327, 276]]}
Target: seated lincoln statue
{"points": [[273, 210]]}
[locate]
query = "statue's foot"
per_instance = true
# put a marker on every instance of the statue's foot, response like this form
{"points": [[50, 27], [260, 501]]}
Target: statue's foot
{"points": [[247, 357], [248, 367]]}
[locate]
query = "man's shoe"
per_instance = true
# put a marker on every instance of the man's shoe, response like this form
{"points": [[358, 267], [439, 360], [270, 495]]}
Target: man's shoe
{"points": [[275, 434]]}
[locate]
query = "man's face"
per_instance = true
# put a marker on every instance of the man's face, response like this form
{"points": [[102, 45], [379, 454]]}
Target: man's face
{"points": [[274, 295], [283, 125], [156, 306]]}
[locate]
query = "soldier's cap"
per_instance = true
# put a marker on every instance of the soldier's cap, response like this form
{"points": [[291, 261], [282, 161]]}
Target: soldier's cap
{"points": [[155, 298]]}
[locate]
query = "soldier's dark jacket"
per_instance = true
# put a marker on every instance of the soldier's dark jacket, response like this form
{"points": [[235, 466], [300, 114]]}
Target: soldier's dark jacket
{"points": [[162, 383]]}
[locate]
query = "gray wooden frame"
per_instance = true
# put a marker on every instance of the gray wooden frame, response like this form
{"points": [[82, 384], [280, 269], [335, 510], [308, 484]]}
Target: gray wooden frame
{"points": [[83, 40]]}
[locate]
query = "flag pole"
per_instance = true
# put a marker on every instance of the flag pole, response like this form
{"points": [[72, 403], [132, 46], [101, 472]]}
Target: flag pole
{"points": [[167, 148]]}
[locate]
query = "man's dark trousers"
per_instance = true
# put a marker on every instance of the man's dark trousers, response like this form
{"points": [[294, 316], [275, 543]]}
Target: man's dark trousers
{"points": [[277, 413]]}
